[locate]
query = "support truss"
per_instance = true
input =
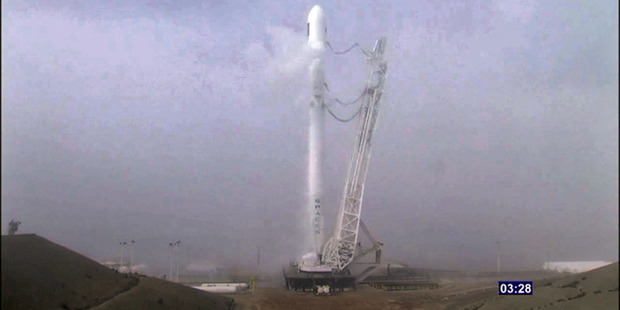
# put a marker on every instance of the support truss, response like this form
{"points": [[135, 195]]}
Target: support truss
{"points": [[339, 251]]}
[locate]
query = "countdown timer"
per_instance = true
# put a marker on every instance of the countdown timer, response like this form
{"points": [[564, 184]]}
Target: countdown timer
{"points": [[516, 287]]}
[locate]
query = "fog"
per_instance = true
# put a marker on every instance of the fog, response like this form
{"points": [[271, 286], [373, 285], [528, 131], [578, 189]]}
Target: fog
{"points": [[186, 120]]}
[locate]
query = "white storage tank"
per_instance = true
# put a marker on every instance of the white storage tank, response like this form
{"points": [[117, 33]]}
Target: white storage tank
{"points": [[222, 287]]}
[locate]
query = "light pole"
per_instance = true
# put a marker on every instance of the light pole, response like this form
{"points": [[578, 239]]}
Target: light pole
{"points": [[170, 274], [178, 244], [122, 245], [176, 259], [131, 256], [498, 250]]}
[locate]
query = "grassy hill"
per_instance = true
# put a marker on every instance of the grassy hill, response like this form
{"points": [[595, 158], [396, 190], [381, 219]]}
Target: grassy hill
{"points": [[594, 289], [39, 274]]}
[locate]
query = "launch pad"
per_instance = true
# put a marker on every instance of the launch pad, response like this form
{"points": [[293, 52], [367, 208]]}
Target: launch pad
{"points": [[298, 280], [386, 279], [308, 278]]}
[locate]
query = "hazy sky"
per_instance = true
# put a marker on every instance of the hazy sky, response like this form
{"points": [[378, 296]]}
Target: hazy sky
{"points": [[187, 120]]}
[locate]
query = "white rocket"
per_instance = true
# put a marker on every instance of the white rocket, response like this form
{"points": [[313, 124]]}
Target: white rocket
{"points": [[317, 32]]}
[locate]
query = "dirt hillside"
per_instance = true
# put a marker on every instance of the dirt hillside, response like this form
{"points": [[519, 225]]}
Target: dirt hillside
{"points": [[594, 289], [39, 274]]}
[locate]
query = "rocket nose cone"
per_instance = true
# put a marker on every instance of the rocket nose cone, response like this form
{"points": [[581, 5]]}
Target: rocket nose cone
{"points": [[317, 8], [317, 28], [316, 14]]}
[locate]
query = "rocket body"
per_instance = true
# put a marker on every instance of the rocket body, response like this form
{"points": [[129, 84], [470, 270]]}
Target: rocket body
{"points": [[317, 32]]}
